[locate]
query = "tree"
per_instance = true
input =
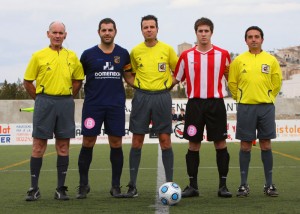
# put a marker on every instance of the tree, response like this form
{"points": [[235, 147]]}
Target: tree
{"points": [[179, 92], [13, 91], [233, 55]]}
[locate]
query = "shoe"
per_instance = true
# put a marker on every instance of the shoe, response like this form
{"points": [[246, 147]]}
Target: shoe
{"points": [[224, 192], [190, 192], [82, 190], [132, 192], [60, 193], [271, 190], [243, 191], [33, 194], [115, 192]]}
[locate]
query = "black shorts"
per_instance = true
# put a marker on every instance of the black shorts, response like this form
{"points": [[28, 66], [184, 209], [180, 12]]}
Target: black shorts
{"points": [[209, 113]]}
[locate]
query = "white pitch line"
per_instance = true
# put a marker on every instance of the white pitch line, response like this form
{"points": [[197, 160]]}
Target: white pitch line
{"points": [[159, 207]]}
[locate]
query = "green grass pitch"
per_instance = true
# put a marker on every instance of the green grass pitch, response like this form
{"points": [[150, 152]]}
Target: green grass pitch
{"points": [[15, 181]]}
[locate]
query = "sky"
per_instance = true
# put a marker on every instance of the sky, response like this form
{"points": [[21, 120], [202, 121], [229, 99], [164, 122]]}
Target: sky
{"points": [[25, 23]]}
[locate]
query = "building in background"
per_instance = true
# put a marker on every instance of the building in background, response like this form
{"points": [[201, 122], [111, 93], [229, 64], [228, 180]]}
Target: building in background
{"points": [[182, 47], [289, 59]]}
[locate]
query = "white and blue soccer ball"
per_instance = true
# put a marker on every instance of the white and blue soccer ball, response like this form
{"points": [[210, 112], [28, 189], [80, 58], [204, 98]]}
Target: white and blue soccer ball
{"points": [[169, 193]]}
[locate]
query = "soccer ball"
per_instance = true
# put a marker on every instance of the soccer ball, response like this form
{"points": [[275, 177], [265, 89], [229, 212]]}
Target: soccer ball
{"points": [[169, 193]]}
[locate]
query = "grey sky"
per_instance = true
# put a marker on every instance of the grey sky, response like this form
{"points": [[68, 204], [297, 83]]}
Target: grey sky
{"points": [[24, 24]]}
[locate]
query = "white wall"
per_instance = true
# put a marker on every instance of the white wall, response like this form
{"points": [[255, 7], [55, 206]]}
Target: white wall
{"points": [[10, 109]]}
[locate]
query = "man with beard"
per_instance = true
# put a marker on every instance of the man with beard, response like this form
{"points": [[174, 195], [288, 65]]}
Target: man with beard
{"points": [[104, 66]]}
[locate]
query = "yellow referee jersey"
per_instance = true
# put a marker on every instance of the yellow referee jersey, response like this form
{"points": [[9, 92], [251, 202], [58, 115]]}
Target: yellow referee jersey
{"points": [[153, 66], [254, 78], [54, 71]]}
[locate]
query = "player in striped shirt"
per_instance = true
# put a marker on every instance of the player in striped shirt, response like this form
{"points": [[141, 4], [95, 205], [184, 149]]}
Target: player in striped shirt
{"points": [[205, 69]]}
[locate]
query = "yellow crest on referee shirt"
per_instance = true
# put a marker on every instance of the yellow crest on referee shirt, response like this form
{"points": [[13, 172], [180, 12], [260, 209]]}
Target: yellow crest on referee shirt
{"points": [[162, 66]]}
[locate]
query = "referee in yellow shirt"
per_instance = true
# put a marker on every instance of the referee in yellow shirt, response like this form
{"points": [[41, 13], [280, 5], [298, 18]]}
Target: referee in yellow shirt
{"points": [[254, 81], [152, 64], [58, 76]]}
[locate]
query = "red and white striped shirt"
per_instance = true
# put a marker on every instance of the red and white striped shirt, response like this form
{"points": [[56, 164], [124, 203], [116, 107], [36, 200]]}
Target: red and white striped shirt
{"points": [[204, 72]]}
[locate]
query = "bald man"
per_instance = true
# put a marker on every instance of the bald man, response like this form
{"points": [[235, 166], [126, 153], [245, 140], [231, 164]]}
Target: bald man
{"points": [[58, 75]]}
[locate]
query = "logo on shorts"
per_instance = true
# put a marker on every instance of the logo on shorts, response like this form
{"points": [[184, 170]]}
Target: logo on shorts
{"points": [[89, 123], [191, 130]]}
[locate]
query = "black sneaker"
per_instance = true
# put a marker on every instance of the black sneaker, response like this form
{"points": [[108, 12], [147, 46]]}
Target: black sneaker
{"points": [[190, 192], [115, 192], [60, 193], [132, 192], [271, 190], [224, 192], [33, 194], [82, 191], [243, 191]]}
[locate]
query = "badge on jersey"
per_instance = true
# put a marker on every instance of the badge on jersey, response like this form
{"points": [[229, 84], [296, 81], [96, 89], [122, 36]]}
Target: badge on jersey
{"points": [[117, 59], [162, 67], [265, 68]]}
